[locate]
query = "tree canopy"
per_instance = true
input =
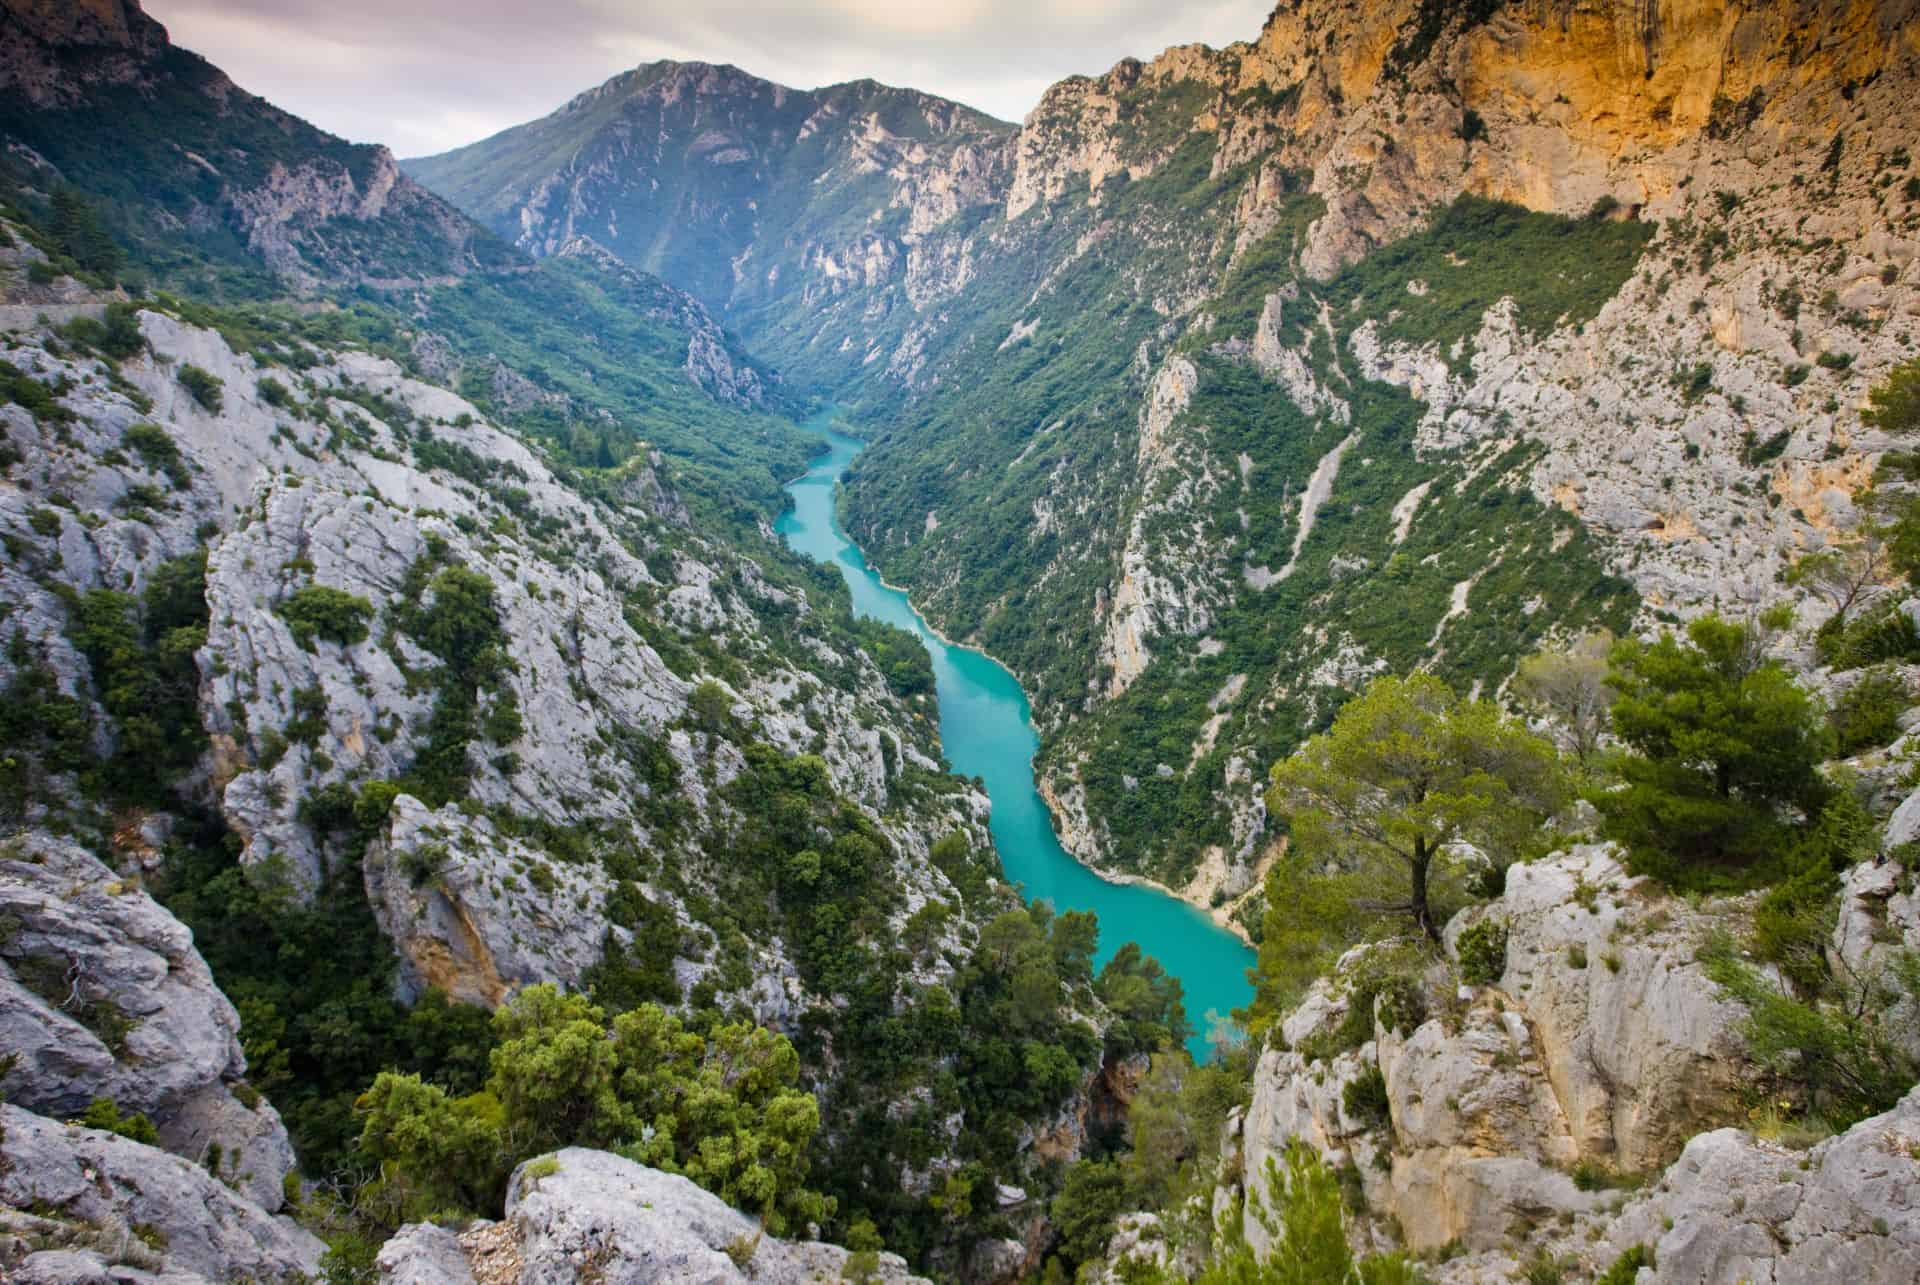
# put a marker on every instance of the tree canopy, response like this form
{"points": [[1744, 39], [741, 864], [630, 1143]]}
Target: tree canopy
{"points": [[722, 1109], [1570, 689], [1722, 739], [1413, 786]]}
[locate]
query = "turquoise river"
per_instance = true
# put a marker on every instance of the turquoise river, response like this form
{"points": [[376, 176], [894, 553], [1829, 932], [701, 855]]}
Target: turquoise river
{"points": [[987, 729]]}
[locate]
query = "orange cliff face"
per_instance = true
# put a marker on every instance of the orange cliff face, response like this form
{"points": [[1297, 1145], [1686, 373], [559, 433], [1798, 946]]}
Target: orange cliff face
{"points": [[1622, 85], [1569, 100]]}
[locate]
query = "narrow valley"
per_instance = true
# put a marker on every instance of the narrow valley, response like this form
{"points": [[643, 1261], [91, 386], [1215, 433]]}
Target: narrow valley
{"points": [[1296, 660]]}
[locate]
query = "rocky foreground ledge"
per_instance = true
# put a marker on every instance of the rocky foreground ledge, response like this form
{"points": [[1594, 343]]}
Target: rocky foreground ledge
{"points": [[1586, 1098], [589, 1215]]}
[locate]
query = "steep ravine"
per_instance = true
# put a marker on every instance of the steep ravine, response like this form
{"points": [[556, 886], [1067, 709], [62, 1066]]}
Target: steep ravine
{"points": [[987, 735], [1105, 358]]}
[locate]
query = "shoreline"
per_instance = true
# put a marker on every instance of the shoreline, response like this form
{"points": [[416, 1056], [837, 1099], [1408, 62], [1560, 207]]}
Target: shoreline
{"points": [[1221, 915]]}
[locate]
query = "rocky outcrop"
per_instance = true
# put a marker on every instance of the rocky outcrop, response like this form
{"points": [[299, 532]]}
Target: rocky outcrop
{"points": [[1602, 1052], [1602, 1044], [1147, 601], [714, 362], [285, 216], [1737, 1208], [1878, 922], [577, 1211], [1639, 1047], [102, 995], [434, 882], [99, 1199]]}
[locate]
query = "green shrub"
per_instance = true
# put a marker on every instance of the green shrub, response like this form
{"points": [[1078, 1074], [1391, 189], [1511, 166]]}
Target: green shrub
{"points": [[38, 399], [1626, 1268], [451, 610], [1378, 984], [320, 611], [104, 1113], [722, 1108], [1305, 1218], [1544, 1269], [120, 337], [1093, 1196], [1483, 952], [1754, 452], [207, 388], [1590, 1175], [1401, 1005], [1887, 634], [1866, 716], [1832, 1043], [141, 653], [1364, 1097], [157, 451]]}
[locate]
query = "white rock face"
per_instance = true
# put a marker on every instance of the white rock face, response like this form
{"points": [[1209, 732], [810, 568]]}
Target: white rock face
{"points": [[1638, 1045], [1146, 601], [423, 1254], [205, 1230], [565, 635], [1879, 918], [102, 995], [1603, 1042], [463, 907], [634, 1225], [1735, 1208], [1904, 825]]}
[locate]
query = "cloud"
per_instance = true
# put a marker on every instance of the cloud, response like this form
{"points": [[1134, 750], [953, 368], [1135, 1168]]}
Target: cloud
{"points": [[433, 74]]}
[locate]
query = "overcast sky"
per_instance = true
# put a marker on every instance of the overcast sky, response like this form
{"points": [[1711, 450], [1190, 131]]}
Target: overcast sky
{"points": [[426, 75]]}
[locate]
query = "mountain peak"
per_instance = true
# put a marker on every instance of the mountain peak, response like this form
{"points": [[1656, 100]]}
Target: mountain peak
{"points": [[114, 23], [49, 49]]}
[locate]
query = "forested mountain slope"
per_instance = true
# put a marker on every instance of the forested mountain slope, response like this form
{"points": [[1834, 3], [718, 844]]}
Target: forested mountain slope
{"points": [[430, 793], [391, 631], [198, 169], [1403, 334]]}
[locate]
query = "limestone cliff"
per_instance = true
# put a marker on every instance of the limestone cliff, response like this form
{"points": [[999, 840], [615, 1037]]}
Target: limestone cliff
{"points": [[1581, 1102], [1674, 388]]}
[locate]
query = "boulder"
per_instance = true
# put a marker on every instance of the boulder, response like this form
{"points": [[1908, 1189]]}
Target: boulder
{"points": [[1904, 825], [1737, 1208], [102, 995], [577, 1212], [143, 1206], [422, 1254]]}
